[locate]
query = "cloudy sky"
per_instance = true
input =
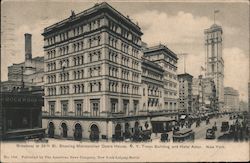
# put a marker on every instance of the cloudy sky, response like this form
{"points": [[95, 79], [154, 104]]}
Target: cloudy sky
{"points": [[178, 25]]}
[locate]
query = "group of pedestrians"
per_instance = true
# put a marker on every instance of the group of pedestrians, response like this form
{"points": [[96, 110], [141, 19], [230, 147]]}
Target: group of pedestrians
{"points": [[240, 130]]}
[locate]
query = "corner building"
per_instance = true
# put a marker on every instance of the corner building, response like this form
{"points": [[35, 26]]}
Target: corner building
{"points": [[93, 76]]}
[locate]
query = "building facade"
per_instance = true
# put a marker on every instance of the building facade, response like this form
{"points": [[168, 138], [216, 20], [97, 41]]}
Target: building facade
{"points": [[93, 75], [204, 94], [21, 115], [30, 72], [214, 60], [185, 93], [231, 99], [167, 59], [152, 86]]}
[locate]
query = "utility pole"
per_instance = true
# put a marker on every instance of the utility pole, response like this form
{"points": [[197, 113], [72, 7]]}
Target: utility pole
{"points": [[215, 11], [184, 61]]}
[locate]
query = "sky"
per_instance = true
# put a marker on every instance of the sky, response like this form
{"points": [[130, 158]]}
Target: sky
{"points": [[179, 25]]}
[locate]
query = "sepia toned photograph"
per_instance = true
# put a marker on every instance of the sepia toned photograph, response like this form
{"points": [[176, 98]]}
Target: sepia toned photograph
{"points": [[124, 81]]}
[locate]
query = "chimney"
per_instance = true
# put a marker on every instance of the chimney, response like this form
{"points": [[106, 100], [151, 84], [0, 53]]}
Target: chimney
{"points": [[28, 54]]}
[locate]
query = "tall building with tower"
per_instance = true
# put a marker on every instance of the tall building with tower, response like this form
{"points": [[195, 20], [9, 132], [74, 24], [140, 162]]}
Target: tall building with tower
{"points": [[214, 60]]}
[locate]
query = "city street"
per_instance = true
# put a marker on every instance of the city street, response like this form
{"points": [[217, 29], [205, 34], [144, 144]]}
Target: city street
{"points": [[200, 132]]}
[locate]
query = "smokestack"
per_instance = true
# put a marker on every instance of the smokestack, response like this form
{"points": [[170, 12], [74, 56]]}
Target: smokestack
{"points": [[28, 52]]}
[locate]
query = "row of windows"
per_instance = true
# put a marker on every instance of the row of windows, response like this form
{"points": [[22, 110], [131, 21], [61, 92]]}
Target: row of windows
{"points": [[78, 46], [63, 36], [113, 71], [113, 41], [173, 68], [135, 77], [51, 78], [125, 88], [125, 33], [152, 74], [124, 47], [76, 31], [78, 60], [93, 87], [135, 64], [153, 102], [125, 74], [170, 84], [51, 91], [64, 90], [51, 40], [135, 90], [51, 66], [125, 61], [113, 86], [171, 76], [78, 88], [51, 54], [64, 76], [113, 56], [94, 107], [95, 41], [63, 50], [93, 71], [170, 93], [64, 63], [95, 56], [152, 92], [135, 52], [79, 74]]}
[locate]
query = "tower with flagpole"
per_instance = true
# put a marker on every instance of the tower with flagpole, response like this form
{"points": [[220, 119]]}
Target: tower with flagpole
{"points": [[214, 64]]}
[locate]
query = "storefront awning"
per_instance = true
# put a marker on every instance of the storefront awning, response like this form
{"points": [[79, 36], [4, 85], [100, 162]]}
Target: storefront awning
{"points": [[162, 119]]}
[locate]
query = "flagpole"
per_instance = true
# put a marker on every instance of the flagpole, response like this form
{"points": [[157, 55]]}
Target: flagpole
{"points": [[214, 16]]}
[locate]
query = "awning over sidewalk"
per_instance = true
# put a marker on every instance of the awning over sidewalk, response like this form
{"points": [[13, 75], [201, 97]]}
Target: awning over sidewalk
{"points": [[162, 119]]}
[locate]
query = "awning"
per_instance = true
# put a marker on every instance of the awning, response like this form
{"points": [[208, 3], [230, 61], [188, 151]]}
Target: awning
{"points": [[162, 119], [183, 117]]}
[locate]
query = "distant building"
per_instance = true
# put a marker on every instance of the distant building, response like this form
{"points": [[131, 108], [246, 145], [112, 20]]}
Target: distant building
{"points": [[243, 106], [214, 60], [185, 92], [167, 59], [204, 93], [231, 97], [30, 72]]}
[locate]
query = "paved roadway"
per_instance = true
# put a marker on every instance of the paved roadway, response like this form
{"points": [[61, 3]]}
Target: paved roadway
{"points": [[200, 132]]}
